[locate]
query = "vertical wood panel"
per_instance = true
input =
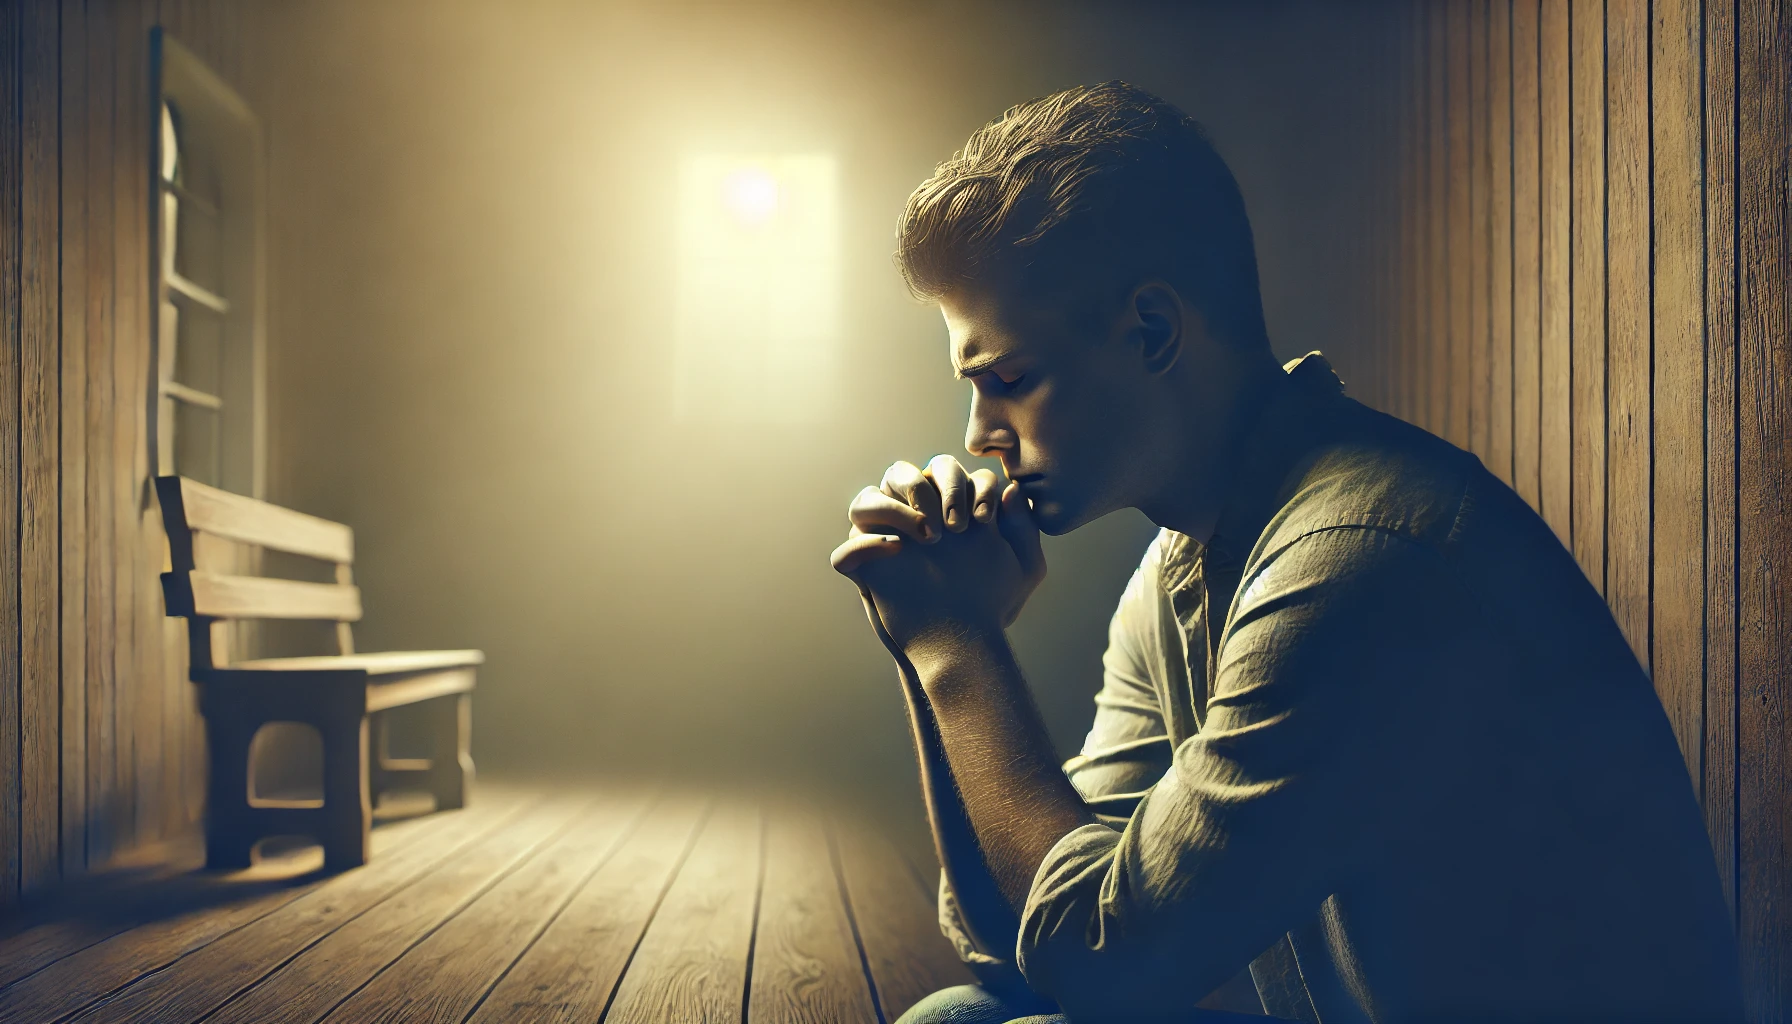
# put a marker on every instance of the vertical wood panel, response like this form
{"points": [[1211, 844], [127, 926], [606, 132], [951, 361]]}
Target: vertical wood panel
{"points": [[73, 442], [1718, 792], [1677, 403], [1764, 365], [1499, 197], [1414, 320], [102, 763], [1480, 350], [150, 684], [98, 730], [1435, 354], [40, 722], [1628, 319], [178, 729], [128, 326], [1456, 90], [1587, 285], [10, 789], [1393, 192], [1554, 189], [1649, 163], [1527, 397], [1409, 225], [1385, 160]]}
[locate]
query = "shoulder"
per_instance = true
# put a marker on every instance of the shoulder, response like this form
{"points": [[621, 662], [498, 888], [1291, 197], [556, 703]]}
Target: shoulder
{"points": [[1374, 475]]}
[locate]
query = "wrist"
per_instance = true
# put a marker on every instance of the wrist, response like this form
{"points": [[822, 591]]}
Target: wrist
{"points": [[948, 658]]}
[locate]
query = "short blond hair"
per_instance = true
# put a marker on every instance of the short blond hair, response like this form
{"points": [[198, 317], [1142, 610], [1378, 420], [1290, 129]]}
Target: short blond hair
{"points": [[1087, 192]]}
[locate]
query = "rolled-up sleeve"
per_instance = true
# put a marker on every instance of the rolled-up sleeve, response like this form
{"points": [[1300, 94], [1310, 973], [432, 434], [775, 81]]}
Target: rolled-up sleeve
{"points": [[1261, 813]]}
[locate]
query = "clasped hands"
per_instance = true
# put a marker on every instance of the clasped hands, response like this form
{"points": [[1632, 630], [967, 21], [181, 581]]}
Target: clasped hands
{"points": [[941, 555]]}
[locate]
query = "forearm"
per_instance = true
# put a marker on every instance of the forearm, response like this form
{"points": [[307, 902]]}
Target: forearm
{"points": [[1014, 794], [993, 924]]}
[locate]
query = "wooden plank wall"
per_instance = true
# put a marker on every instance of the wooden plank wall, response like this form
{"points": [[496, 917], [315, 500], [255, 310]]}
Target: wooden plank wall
{"points": [[1594, 301], [99, 736]]}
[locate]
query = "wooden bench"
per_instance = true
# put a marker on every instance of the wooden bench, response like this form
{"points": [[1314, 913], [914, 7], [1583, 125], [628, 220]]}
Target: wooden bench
{"points": [[339, 695]]}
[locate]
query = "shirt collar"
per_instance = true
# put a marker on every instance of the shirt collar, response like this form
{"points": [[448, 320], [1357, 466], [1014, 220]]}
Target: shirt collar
{"points": [[1285, 427]]}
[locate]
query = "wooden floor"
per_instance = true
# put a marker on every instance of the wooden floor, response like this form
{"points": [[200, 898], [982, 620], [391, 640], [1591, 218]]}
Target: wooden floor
{"points": [[614, 904]]}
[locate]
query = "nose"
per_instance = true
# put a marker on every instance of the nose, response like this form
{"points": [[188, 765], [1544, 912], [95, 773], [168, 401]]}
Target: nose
{"points": [[987, 433]]}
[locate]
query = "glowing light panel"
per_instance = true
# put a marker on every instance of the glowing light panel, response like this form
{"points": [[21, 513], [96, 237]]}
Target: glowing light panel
{"points": [[757, 318]]}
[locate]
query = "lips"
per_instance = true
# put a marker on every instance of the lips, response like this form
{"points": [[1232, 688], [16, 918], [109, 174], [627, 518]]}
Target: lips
{"points": [[1032, 485]]}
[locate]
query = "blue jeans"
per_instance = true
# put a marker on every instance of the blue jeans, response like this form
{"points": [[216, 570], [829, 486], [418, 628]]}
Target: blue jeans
{"points": [[973, 1004]]}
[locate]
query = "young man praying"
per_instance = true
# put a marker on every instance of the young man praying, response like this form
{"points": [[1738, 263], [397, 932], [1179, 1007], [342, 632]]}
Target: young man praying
{"points": [[1364, 727]]}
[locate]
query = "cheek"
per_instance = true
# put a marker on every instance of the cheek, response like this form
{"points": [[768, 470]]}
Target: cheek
{"points": [[1042, 419], [1066, 425]]}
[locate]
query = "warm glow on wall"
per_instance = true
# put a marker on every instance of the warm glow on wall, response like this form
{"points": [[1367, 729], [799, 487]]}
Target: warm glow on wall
{"points": [[757, 321]]}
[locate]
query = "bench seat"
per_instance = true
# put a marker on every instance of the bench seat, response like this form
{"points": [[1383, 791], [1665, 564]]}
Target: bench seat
{"points": [[383, 663]]}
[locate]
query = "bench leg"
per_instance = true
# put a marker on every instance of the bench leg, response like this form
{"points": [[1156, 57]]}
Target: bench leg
{"points": [[348, 807], [450, 754], [229, 821], [379, 780]]}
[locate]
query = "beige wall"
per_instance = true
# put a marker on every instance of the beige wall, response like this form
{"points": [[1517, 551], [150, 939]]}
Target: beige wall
{"points": [[471, 285]]}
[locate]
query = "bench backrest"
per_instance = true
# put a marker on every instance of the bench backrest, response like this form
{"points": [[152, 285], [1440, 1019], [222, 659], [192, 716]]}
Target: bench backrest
{"points": [[202, 522]]}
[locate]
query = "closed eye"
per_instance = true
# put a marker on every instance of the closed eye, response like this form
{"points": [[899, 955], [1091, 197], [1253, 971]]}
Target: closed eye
{"points": [[994, 382]]}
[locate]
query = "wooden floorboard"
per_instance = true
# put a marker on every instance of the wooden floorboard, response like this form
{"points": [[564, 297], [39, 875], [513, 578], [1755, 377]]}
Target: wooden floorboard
{"points": [[571, 971], [209, 911], [203, 980], [32, 947], [897, 921], [592, 903], [692, 963], [807, 966], [332, 971], [441, 979], [115, 902]]}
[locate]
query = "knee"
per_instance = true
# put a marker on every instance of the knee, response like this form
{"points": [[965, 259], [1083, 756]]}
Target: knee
{"points": [[960, 1004], [969, 1004]]}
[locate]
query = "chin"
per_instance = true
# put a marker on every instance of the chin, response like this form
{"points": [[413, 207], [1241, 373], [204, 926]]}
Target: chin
{"points": [[1054, 518], [1058, 513]]}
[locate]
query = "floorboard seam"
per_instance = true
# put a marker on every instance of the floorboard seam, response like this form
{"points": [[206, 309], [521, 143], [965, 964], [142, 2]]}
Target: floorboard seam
{"points": [[505, 872], [421, 872], [690, 844], [852, 920], [415, 836], [746, 989], [622, 838], [99, 937]]}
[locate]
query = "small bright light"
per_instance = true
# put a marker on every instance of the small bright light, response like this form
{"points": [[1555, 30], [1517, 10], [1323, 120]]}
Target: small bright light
{"points": [[756, 313], [752, 196]]}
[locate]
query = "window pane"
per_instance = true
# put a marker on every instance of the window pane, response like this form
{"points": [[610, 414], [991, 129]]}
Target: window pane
{"points": [[196, 442], [756, 325]]}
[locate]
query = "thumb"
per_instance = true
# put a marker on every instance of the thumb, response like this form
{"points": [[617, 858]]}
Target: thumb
{"points": [[862, 548], [1022, 533]]}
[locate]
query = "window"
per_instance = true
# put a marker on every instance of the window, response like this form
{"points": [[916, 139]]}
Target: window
{"points": [[208, 341], [756, 327]]}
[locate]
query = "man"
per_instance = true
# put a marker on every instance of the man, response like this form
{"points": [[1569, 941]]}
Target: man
{"points": [[1364, 726]]}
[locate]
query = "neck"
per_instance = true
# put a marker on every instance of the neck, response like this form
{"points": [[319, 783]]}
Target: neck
{"points": [[1192, 500]]}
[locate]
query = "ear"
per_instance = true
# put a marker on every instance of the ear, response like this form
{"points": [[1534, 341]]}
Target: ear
{"points": [[1158, 322]]}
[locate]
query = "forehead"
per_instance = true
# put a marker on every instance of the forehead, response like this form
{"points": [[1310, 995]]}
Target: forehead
{"points": [[983, 329]]}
